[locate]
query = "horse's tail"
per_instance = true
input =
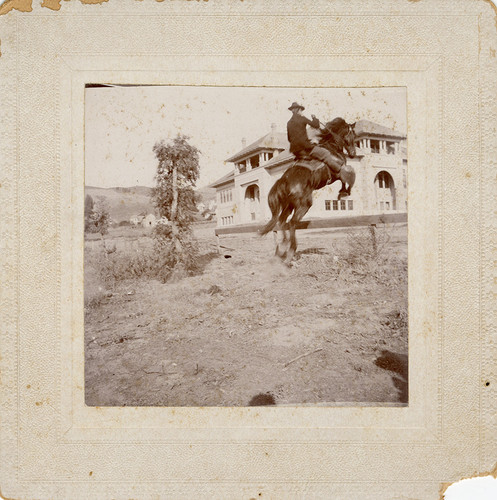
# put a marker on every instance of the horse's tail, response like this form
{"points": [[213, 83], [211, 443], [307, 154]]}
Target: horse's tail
{"points": [[269, 226], [273, 200]]}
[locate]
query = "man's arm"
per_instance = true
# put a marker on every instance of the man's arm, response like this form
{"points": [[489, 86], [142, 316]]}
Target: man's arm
{"points": [[314, 123]]}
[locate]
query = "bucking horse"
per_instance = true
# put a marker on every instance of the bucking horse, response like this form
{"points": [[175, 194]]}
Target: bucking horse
{"points": [[292, 193]]}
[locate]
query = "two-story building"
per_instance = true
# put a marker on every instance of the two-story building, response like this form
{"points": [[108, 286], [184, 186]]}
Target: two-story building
{"points": [[381, 178]]}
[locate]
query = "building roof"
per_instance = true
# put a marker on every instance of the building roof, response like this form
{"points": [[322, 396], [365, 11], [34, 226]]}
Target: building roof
{"points": [[273, 140], [366, 127], [284, 157], [229, 177]]}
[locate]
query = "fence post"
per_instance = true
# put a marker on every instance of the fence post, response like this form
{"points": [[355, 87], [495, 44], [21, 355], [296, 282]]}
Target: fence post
{"points": [[218, 244], [372, 229]]}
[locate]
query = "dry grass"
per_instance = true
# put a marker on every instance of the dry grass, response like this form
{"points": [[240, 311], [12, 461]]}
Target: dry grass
{"points": [[104, 270]]}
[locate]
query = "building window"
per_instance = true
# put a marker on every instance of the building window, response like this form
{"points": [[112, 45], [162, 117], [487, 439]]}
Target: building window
{"points": [[387, 205], [242, 167], [383, 180], [226, 195], [350, 204], [390, 148], [254, 161], [382, 205], [327, 204], [342, 205], [335, 204], [375, 146]]}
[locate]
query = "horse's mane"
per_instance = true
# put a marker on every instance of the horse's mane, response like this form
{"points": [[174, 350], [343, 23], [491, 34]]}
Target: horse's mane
{"points": [[331, 131]]}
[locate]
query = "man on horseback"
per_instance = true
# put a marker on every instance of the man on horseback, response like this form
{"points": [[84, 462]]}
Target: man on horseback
{"points": [[301, 146]]}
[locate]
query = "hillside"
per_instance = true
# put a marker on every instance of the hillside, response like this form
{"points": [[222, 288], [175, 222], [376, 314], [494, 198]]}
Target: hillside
{"points": [[207, 194], [125, 202]]}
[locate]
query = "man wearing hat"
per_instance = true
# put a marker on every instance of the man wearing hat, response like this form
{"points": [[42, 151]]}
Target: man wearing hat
{"points": [[300, 143]]}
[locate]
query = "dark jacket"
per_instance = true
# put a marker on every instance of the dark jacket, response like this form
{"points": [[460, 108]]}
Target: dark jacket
{"points": [[297, 133]]}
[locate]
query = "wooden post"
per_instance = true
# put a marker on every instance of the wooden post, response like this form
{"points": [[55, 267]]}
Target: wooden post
{"points": [[372, 229], [218, 244]]}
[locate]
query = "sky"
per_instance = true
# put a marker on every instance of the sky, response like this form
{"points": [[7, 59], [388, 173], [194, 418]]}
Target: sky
{"points": [[122, 124]]}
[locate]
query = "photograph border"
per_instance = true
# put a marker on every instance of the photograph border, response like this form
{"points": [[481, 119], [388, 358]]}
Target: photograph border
{"points": [[245, 458]]}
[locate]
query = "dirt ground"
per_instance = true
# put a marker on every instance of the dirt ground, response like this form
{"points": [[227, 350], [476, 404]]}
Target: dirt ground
{"points": [[249, 330]]}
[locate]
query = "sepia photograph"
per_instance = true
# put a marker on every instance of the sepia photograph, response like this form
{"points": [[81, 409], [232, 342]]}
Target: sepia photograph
{"points": [[248, 248], [245, 246]]}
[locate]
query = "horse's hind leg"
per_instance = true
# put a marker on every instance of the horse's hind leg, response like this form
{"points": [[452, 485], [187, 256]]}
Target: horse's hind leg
{"points": [[347, 176], [297, 217], [282, 248]]}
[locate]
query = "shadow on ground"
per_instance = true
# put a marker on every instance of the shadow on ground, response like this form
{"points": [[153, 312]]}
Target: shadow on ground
{"points": [[398, 364], [203, 261], [311, 251]]}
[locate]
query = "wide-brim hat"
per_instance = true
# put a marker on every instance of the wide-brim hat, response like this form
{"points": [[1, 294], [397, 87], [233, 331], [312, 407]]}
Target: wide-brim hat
{"points": [[296, 105]]}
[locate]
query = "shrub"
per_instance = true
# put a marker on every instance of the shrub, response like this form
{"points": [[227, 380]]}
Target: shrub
{"points": [[366, 245], [159, 260]]}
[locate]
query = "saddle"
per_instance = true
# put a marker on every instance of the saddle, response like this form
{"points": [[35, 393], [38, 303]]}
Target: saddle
{"points": [[308, 162]]}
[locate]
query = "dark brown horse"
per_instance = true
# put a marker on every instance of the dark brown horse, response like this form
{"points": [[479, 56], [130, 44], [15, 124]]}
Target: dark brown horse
{"points": [[293, 191]]}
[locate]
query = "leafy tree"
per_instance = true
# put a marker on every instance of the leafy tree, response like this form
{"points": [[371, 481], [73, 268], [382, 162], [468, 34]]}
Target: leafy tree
{"points": [[177, 173], [88, 205], [174, 197], [98, 219], [100, 216], [88, 211]]}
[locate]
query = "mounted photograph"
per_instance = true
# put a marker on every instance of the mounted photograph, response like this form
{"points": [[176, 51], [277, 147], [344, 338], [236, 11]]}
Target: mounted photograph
{"points": [[245, 246]]}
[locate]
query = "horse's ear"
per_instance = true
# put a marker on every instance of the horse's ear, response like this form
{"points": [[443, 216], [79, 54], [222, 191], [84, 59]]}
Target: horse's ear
{"points": [[353, 125]]}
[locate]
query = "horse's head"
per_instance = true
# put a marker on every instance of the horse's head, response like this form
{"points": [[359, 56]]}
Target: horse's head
{"points": [[349, 140], [340, 134]]}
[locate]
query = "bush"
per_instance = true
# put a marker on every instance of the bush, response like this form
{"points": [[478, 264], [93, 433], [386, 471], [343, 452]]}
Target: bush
{"points": [[159, 260], [173, 261], [365, 246], [368, 253]]}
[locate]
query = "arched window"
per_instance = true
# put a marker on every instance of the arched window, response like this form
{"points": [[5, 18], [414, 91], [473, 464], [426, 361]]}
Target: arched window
{"points": [[252, 192], [385, 192], [252, 203], [384, 180]]}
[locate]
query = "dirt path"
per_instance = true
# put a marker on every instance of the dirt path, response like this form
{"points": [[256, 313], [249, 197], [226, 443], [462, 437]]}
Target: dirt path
{"points": [[221, 338]]}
